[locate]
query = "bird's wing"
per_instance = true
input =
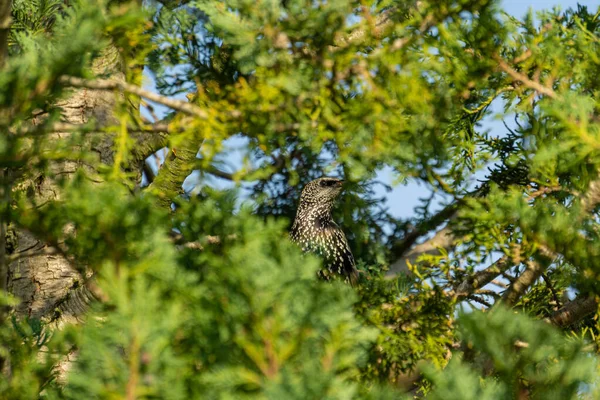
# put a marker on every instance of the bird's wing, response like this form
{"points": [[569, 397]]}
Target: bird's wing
{"points": [[347, 266]]}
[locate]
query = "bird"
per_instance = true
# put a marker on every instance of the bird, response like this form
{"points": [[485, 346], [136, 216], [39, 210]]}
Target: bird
{"points": [[315, 231]]}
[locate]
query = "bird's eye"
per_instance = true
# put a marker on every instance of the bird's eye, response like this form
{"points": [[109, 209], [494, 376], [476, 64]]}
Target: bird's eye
{"points": [[327, 183]]}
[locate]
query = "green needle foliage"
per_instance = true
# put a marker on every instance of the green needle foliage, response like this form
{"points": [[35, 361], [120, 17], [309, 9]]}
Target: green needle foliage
{"points": [[118, 284]]}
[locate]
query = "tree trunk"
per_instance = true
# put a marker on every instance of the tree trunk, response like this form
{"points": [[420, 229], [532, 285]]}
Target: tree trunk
{"points": [[48, 285]]}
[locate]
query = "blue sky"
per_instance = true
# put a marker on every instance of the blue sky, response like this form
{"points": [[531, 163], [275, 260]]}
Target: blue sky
{"points": [[518, 8]]}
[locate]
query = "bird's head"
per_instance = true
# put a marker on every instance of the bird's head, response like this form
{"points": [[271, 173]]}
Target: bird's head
{"points": [[322, 191]]}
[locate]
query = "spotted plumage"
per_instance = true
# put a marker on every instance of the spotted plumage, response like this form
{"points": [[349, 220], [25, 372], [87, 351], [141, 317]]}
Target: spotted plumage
{"points": [[316, 232]]}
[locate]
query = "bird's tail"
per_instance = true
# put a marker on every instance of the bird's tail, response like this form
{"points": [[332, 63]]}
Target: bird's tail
{"points": [[353, 277]]}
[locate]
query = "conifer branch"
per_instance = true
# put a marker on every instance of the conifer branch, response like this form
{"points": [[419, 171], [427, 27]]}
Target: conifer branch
{"points": [[178, 164], [383, 23]]}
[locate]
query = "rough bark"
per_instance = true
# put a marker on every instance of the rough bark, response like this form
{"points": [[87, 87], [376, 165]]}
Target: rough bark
{"points": [[5, 21], [49, 285], [574, 311]]}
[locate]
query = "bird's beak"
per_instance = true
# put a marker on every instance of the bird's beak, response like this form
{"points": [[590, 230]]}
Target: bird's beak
{"points": [[339, 183]]}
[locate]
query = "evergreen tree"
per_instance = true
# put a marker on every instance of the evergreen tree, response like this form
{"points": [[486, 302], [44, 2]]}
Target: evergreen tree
{"points": [[117, 283]]}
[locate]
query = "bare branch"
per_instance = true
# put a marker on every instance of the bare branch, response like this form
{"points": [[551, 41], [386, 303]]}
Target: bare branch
{"points": [[482, 278], [480, 300], [101, 84], [423, 228], [487, 292], [178, 240], [542, 191], [443, 239], [532, 272], [522, 57], [521, 344], [574, 311], [524, 79]]}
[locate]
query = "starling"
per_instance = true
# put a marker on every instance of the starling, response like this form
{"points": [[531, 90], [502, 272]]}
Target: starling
{"points": [[315, 231]]}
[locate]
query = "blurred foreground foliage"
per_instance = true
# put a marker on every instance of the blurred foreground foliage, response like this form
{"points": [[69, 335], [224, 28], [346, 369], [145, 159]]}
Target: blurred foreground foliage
{"points": [[206, 298]]}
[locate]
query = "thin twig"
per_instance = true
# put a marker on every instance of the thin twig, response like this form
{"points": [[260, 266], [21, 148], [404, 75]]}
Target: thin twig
{"points": [[489, 100], [105, 84], [499, 284], [219, 173], [521, 344], [487, 292], [480, 300]]}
